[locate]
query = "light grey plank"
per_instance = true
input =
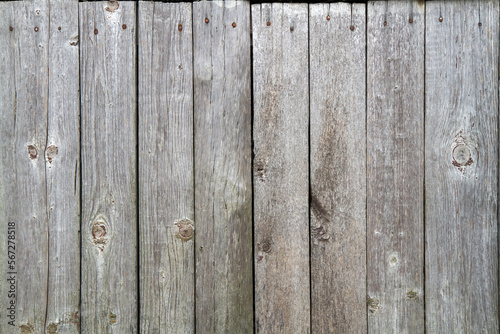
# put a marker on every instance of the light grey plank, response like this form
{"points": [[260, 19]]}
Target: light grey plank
{"points": [[281, 167], [223, 188], [461, 154], [395, 167], [109, 185], [338, 167], [62, 157], [26, 118], [166, 185]]}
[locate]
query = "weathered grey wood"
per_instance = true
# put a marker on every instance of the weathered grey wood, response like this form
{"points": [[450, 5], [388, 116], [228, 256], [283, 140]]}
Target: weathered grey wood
{"points": [[109, 185], [395, 167], [24, 134], [461, 170], [62, 161], [281, 167], [166, 185], [338, 167], [223, 179]]}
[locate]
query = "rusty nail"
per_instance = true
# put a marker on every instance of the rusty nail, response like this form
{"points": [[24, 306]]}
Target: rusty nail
{"points": [[207, 20], [291, 28], [58, 28], [440, 19], [36, 29], [268, 23], [96, 31], [479, 24], [234, 24], [352, 28], [410, 20], [328, 18], [179, 27], [385, 23], [124, 26], [10, 28]]}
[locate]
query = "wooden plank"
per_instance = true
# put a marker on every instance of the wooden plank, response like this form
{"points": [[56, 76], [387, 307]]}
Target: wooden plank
{"points": [[395, 167], [24, 124], [223, 179], [63, 170], [9, 208], [166, 183], [109, 164], [338, 167], [281, 167], [461, 154]]}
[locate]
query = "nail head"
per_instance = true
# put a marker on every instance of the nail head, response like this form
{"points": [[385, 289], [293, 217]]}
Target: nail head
{"points": [[179, 27], [291, 28], [268, 23], [479, 24], [234, 24], [58, 28], [207, 20], [352, 28], [440, 19], [10, 28], [36, 29], [124, 26], [410, 20], [328, 18], [385, 23], [96, 31]]}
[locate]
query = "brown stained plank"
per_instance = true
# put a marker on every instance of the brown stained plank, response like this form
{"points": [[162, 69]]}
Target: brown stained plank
{"points": [[223, 179], [338, 167], [395, 167], [109, 185], [281, 168], [461, 172], [166, 185]]}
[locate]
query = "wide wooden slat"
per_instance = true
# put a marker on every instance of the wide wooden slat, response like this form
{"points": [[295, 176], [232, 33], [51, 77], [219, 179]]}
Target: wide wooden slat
{"points": [[63, 170], [166, 185], [281, 167], [461, 154], [338, 167], [223, 179], [109, 187], [395, 167]]}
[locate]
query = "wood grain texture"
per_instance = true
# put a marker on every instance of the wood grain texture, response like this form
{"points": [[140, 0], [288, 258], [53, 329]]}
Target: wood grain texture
{"points": [[338, 167], [461, 154], [62, 157], [395, 167], [281, 168], [166, 184], [109, 164], [24, 125], [223, 179]]}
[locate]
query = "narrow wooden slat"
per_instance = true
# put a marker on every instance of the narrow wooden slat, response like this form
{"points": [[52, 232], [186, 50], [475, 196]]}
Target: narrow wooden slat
{"points": [[109, 186], [395, 166], [166, 185], [24, 128], [338, 167], [223, 188], [63, 170], [281, 167], [461, 155]]}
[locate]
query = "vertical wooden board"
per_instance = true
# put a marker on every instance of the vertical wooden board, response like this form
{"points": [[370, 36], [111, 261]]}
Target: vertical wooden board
{"points": [[109, 186], [166, 195], [8, 192], [338, 167], [395, 167], [461, 154], [63, 170], [281, 167], [223, 179], [27, 94]]}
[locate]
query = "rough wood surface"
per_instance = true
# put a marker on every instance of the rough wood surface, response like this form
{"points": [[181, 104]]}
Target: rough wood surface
{"points": [[109, 164], [24, 138], [223, 179], [395, 167], [62, 163], [461, 140], [8, 104], [338, 167], [166, 185], [281, 168]]}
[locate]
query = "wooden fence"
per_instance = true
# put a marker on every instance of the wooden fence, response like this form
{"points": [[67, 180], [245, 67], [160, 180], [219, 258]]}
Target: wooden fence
{"points": [[229, 167]]}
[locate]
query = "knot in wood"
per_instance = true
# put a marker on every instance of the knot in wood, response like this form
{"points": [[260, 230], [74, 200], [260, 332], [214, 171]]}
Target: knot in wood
{"points": [[51, 153], [462, 156], [266, 247], [111, 6], [185, 230], [32, 151], [99, 233]]}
